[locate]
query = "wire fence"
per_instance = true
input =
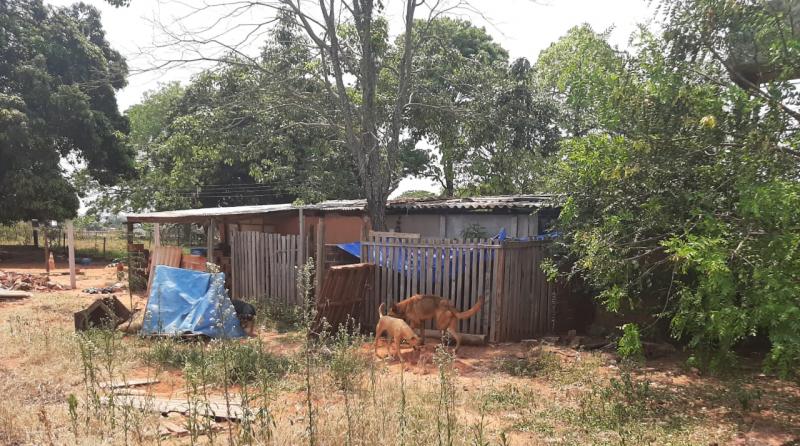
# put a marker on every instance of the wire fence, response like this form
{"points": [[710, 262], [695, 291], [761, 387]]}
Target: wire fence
{"points": [[107, 244]]}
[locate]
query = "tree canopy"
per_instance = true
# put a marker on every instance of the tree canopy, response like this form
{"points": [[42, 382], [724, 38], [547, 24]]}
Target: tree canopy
{"points": [[680, 187], [58, 111]]}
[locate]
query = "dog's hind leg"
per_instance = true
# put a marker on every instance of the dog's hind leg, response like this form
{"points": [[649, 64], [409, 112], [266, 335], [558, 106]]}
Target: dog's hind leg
{"points": [[378, 332], [454, 333]]}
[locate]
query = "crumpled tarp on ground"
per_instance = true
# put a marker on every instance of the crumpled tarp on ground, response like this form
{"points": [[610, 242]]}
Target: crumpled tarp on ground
{"points": [[189, 302]]}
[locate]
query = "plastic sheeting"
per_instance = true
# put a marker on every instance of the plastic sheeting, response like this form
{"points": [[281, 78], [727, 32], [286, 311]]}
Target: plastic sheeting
{"points": [[183, 301]]}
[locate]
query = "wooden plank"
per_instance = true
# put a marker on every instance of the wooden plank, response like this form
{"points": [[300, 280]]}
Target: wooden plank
{"points": [[251, 260], [384, 274], [429, 258], [397, 235], [459, 279], [283, 273], [234, 265], [402, 258], [438, 268], [119, 384], [290, 263], [479, 327], [216, 408], [479, 257], [473, 322], [258, 259], [163, 255], [392, 285], [469, 286], [320, 272], [272, 270], [497, 302], [448, 270]]}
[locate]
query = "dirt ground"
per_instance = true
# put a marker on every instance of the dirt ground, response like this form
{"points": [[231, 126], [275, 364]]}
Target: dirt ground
{"points": [[495, 394]]}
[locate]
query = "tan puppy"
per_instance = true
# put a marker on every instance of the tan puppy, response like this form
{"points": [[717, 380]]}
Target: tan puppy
{"points": [[398, 331], [424, 307]]}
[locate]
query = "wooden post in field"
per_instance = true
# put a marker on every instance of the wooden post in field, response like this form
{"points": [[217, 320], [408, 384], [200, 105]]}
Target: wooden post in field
{"points": [[46, 251], [320, 272], [157, 234], [71, 253]]}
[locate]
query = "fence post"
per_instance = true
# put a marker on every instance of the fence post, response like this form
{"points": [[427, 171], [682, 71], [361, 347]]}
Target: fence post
{"points": [[104, 246], [320, 273], [71, 254], [499, 291]]}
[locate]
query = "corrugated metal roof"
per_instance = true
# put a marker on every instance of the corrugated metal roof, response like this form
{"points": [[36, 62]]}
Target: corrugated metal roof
{"points": [[489, 202], [485, 202]]}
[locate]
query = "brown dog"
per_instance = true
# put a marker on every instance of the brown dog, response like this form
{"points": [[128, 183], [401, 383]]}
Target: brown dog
{"points": [[423, 307], [398, 331]]}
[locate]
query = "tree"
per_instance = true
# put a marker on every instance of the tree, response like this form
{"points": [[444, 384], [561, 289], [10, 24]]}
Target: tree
{"points": [[367, 81], [454, 65], [58, 77], [580, 71], [687, 197], [511, 132], [239, 135]]}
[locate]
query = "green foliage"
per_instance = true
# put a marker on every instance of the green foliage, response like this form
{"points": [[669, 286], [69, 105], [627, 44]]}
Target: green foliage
{"points": [[224, 361], [680, 187], [629, 345], [59, 77], [240, 133], [416, 195], [618, 405]]}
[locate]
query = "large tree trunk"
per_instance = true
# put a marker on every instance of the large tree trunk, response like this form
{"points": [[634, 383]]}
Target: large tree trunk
{"points": [[375, 156]]}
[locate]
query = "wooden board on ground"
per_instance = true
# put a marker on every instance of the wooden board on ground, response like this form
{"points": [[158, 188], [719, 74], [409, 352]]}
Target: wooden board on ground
{"points": [[128, 383], [215, 408], [163, 255], [14, 295]]}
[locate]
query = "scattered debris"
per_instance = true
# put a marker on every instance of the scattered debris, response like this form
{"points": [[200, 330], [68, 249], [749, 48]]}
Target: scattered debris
{"points": [[27, 282], [107, 312], [116, 288]]}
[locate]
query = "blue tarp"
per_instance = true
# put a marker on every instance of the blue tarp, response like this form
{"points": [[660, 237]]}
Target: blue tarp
{"points": [[183, 301]]}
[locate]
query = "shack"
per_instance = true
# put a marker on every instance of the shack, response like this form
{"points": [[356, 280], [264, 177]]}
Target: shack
{"points": [[461, 248]]}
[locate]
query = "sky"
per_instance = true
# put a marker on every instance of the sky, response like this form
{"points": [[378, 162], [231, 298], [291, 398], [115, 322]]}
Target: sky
{"points": [[523, 27]]}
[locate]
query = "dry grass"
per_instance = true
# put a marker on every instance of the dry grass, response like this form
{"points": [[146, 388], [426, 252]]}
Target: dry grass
{"points": [[490, 396]]}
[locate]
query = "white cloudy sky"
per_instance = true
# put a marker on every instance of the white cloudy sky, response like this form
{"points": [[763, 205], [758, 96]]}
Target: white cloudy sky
{"points": [[523, 27]]}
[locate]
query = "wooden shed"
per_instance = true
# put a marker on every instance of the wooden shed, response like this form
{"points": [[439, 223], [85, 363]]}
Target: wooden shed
{"points": [[437, 246]]}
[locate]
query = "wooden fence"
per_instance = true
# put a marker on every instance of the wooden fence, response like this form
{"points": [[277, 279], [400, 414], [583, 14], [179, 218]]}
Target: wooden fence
{"points": [[519, 300], [266, 266]]}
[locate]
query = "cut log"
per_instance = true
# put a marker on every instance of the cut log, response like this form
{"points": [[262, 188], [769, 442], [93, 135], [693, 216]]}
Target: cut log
{"points": [[14, 295], [466, 338]]}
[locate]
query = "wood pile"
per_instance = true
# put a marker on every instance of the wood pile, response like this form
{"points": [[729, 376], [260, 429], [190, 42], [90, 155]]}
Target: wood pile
{"points": [[10, 280]]}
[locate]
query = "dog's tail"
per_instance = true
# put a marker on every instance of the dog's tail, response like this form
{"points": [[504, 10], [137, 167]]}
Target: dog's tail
{"points": [[472, 311], [380, 310]]}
